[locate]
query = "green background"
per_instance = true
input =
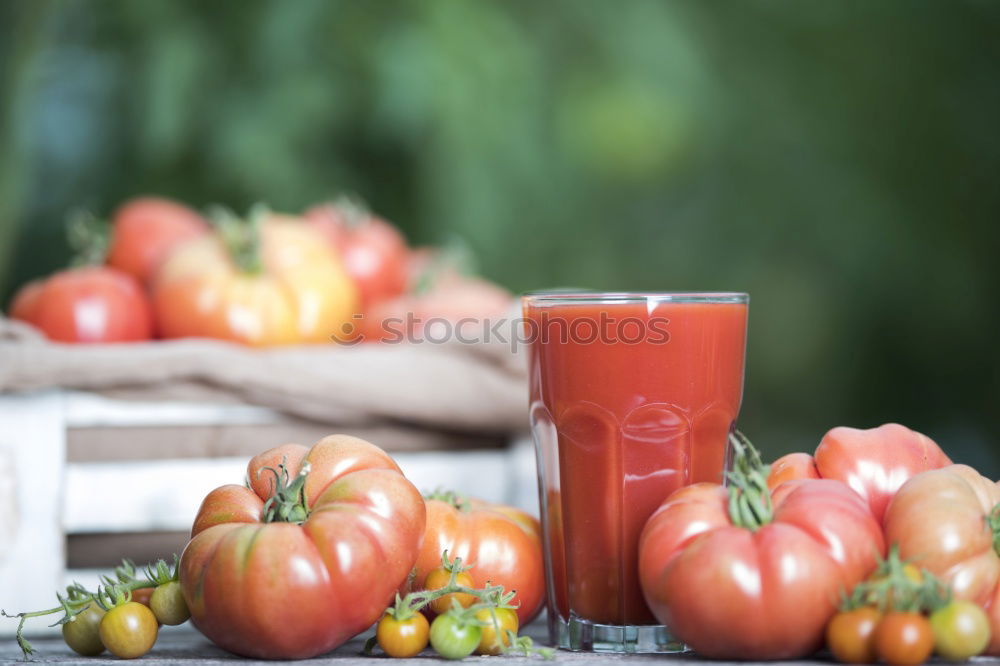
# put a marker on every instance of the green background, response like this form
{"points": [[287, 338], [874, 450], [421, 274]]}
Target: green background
{"points": [[840, 161]]}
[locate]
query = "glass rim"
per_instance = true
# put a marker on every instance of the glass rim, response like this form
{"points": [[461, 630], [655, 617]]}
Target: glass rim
{"points": [[557, 297]]}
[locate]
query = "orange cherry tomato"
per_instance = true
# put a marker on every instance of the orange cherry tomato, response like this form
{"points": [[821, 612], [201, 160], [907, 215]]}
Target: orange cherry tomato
{"points": [[439, 578], [904, 638], [850, 635], [402, 638]]}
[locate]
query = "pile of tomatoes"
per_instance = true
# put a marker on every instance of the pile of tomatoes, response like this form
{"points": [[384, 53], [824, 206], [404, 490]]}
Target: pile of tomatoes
{"points": [[160, 269], [778, 546]]}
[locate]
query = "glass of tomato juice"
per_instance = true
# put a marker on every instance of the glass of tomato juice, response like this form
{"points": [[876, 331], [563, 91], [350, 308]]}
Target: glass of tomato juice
{"points": [[633, 395]]}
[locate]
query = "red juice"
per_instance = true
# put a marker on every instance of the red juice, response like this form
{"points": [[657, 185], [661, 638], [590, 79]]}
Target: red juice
{"points": [[632, 397]]}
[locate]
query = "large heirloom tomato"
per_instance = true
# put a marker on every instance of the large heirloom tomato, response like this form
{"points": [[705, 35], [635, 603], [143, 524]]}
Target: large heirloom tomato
{"points": [[308, 556], [946, 520], [502, 543], [146, 230], [873, 462], [270, 281], [736, 574], [88, 304]]}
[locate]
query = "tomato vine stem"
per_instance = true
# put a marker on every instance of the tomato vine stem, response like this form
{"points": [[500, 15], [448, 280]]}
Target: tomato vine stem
{"points": [[749, 497], [110, 592]]}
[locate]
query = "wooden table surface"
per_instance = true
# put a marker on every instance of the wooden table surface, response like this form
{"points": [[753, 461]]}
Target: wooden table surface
{"points": [[184, 645]]}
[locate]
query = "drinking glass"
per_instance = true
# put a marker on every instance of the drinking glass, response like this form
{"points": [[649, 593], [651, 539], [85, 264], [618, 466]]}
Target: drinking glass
{"points": [[633, 395]]}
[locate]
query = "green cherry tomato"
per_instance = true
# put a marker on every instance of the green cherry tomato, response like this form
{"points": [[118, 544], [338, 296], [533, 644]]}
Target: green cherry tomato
{"points": [[82, 633], [168, 605], [402, 638], [129, 630], [961, 630], [454, 638]]}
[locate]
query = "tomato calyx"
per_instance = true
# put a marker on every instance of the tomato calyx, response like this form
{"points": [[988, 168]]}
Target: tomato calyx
{"points": [[114, 590], [993, 521], [241, 236], [288, 502], [897, 585], [450, 497], [89, 238], [749, 497]]}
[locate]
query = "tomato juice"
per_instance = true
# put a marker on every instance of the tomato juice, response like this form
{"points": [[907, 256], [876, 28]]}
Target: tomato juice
{"points": [[632, 397]]}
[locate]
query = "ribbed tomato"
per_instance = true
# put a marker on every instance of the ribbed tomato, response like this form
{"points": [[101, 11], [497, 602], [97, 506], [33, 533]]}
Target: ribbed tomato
{"points": [[292, 569], [737, 574], [873, 462], [270, 281], [947, 521], [502, 543]]}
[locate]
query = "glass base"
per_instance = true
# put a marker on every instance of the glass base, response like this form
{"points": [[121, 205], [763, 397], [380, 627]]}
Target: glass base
{"points": [[581, 635]]}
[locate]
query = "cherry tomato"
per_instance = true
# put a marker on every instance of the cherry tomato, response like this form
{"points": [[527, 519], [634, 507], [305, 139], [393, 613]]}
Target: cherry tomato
{"points": [[961, 630], [142, 595], [402, 638], [454, 638], [87, 304], [438, 578], [904, 638], [850, 635], [496, 623], [129, 630], [168, 605], [82, 633], [146, 230]]}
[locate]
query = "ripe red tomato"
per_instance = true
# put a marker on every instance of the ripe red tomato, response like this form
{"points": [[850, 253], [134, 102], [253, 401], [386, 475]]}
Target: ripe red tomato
{"points": [[272, 284], [732, 592], [874, 462], [374, 253], [293, 571], [502, 543], [944, 520], [146, 230], [88, 304]]}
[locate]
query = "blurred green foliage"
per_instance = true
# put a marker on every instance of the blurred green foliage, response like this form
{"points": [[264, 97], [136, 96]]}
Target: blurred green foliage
{"points": [[838, 160]]}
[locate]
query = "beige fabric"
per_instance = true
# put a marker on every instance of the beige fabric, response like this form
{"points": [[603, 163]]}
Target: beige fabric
{"points": [[459, 387]]}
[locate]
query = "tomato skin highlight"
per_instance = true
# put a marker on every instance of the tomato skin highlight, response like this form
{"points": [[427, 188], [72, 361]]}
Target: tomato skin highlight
{"points": [[495, 638], [850, 635], [961, 630], [453, 639], [82, 633], [129, 631], [402, 638], [502, 542], [437, 579], [168, 605], [903, 639]]}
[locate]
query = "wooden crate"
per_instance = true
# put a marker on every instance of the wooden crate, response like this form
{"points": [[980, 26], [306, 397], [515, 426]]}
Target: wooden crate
{"points": [[50, 496]]}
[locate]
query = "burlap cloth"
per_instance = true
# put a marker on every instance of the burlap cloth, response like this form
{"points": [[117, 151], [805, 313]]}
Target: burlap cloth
{"points": [[475, 388]]}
